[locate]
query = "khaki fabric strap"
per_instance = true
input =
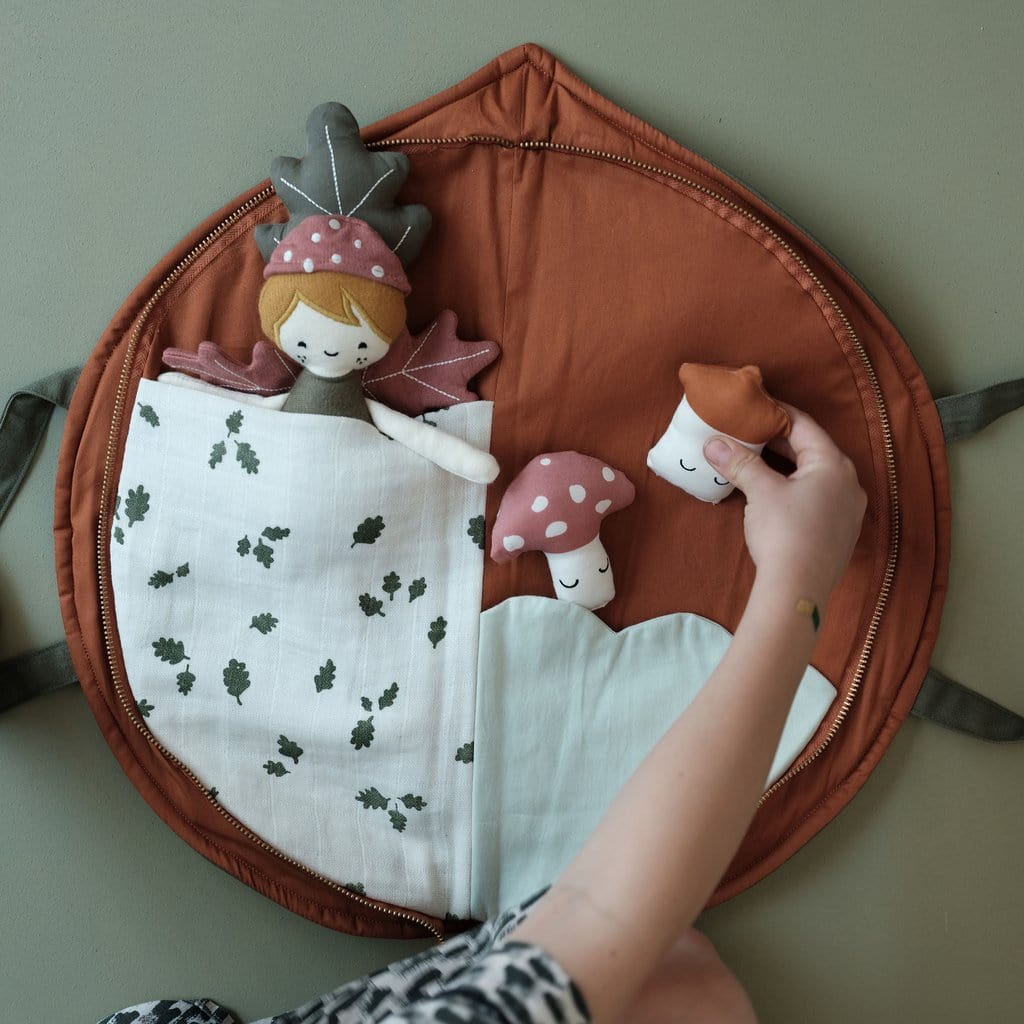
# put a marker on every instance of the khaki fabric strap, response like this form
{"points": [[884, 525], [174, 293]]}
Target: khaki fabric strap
{"points": [[35, 673], [965, 414], [22, 428], [950, 704]]}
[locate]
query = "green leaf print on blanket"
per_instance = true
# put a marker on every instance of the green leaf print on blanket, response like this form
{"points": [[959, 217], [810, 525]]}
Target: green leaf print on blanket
{"points": [[148, 413], [476, 531], [465, 753], [245, 454], [236, 679], [288, 748], [437, 631], [144, 707], [185, 681], [324, 679], [392, 584], [264, 622], [368, 531], [373, 800], [363, 733], [417, 589], [137, 505], [371, 606], [170, 650], [262, 552], [276, 768], [162, 578]]}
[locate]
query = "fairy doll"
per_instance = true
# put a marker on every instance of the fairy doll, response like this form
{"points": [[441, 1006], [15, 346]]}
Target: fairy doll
{"points": [[334, 295]]}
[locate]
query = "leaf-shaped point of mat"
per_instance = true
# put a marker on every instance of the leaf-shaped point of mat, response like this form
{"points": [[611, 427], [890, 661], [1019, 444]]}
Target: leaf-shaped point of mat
{"points": [[371, 606], [118, 534], [244, 546], [276, 532], [437, 630], [340, 175], [387, 698], [476, 531], [137, 505], [417, 588], [264, 622], [182, 570], [264, 554], [288, 748], [160, 579], [398, 820], [170, 650], [355, 887], [391, 585], [362, 734], [236, 679], [275, 768], [429, 370], [234, 422], [413, 803], [148, 413], [268, 372], [465, 753], [324, 679], [217, 453], [372, 799], [185, 681], [368, 531], [144, 707], [366, 703], [246, 457]]}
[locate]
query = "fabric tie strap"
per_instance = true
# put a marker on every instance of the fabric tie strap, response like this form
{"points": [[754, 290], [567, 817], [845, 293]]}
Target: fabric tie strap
{"points": [[953, 706], [22, 427], [970, 411]]}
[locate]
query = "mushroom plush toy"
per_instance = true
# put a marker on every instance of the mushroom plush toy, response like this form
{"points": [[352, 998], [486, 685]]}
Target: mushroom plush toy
{"points": [[557, 505], [716, 400]]}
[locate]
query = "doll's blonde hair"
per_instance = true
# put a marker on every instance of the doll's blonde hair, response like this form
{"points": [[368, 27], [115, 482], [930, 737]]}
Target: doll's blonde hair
{"points": [[343, 297]]}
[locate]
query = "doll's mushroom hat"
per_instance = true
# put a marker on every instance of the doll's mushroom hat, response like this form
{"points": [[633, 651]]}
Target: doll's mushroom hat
{"points": [[557, 504], [345, 245], [734, 402]]}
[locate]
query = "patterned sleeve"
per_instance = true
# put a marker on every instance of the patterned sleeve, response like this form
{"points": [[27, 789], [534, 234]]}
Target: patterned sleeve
{"points": [[514, 983]]}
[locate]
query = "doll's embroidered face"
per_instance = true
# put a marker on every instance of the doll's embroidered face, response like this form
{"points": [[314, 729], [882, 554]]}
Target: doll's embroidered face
{"points": [[679, 456], [328, 347]]}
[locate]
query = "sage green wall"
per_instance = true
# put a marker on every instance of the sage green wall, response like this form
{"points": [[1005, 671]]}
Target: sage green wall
{"points": [[892, 131]]}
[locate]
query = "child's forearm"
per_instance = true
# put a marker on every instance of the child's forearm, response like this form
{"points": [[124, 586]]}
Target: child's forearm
{"points": [[667, 838]]}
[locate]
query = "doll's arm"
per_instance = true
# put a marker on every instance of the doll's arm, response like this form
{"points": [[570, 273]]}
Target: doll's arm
{"points": [[443, 449]]}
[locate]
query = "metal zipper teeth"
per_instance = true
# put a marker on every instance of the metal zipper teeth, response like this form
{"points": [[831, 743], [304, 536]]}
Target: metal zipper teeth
{"points": [[887, 442], [104, 581]]}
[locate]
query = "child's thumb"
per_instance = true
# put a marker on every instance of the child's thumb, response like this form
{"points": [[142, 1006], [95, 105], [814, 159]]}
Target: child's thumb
{"points": [[737, 463]]}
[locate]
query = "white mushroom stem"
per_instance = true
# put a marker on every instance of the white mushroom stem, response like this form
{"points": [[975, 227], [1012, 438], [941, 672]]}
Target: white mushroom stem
{"points": [[583, 576]]}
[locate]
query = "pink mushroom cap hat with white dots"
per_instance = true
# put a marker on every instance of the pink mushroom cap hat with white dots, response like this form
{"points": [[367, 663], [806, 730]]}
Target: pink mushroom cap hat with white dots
{"points": [[343, 244], [557, 504]]}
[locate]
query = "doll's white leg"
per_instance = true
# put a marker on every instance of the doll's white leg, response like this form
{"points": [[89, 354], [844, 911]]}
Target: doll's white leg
{"points": [[443, 449]]}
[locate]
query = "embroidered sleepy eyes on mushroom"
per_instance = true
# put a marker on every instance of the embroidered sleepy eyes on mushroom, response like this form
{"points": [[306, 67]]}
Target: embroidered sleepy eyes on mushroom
{"points": [[717, 401], [557, 505]]}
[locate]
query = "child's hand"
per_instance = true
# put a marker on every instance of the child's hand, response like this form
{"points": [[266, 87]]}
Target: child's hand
{"points": [[801, 529]]}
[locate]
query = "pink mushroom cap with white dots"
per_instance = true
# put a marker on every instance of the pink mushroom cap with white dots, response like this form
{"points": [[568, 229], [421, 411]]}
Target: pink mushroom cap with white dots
{"points": [[557, 504], [335, 243]]}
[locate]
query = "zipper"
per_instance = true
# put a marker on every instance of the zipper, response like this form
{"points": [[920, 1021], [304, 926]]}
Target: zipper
{"points": [[103, 531], [887, 442], [104, 524]]}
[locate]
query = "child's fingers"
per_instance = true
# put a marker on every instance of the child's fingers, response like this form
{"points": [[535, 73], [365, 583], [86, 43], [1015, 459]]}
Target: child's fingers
{"points": [[807, 440]]}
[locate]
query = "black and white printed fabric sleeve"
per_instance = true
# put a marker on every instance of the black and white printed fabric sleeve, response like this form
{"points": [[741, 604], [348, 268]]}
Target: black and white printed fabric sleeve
{"points": [[514, 983]]}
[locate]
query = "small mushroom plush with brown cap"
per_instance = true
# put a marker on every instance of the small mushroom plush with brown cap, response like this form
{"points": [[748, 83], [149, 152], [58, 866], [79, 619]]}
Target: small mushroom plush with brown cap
{"points": [[557, 505], [716, 400]]}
